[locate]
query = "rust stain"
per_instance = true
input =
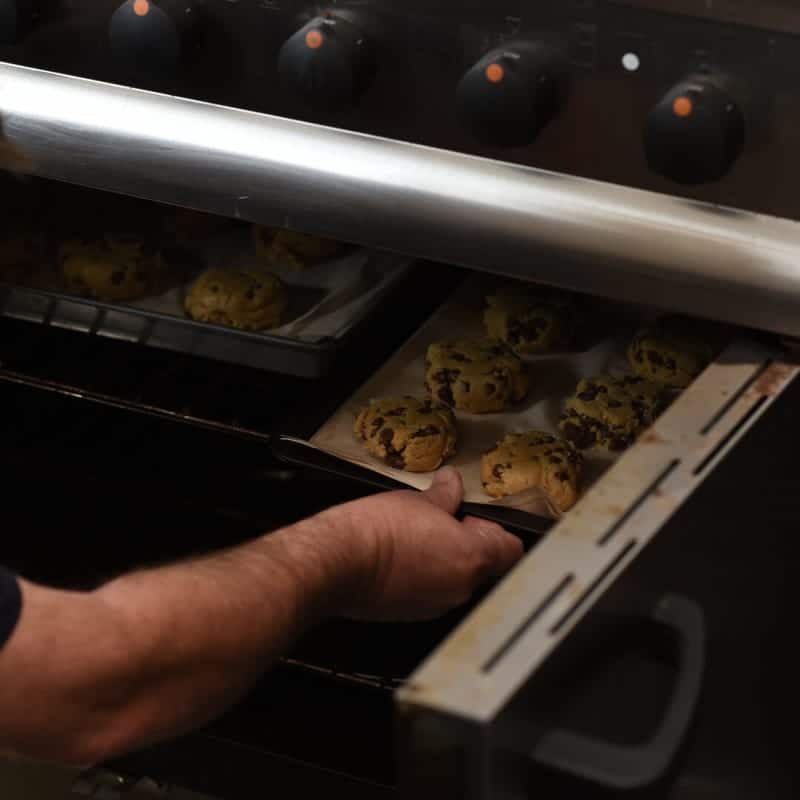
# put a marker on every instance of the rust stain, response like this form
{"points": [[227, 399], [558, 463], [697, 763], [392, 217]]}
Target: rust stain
{"points": [[652, 437], [772, 379]]}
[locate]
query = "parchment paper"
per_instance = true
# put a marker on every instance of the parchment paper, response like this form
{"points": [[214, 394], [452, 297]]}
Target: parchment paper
{"points": [[553, 378]]}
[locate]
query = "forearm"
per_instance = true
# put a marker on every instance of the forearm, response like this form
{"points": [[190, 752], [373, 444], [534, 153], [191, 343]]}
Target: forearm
{"points": [[87, 676], [157, 651]]}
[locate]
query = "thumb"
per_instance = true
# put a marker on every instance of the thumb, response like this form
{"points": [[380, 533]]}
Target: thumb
{"points": [[446, 490]]}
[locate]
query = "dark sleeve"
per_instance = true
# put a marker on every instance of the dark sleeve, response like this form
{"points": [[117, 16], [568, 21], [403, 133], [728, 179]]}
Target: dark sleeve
{"points": [[10, 604]]}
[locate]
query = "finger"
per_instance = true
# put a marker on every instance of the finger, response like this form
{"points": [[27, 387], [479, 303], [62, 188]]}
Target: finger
{"points": [[501, 549], [447, 490]]}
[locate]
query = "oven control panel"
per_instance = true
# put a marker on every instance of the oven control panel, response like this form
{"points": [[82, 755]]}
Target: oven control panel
{"points": [[691, 98]]}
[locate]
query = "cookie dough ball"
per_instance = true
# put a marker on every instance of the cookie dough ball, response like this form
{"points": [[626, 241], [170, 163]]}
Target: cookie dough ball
{"points": [[248, 299], [117, 268], [610, 412], [674, 351], [529, 322], [407, 433], [475, 375], [533, 460], [280, 247]]}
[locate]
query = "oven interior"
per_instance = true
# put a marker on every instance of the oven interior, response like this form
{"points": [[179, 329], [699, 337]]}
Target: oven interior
{"points": [[125, 455]]}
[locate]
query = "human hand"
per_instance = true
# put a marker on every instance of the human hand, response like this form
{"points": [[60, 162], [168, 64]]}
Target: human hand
{"points": [[413, 559]]}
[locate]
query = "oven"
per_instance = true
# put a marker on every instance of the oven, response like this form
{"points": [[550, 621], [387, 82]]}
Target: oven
{"points": [[638, 154]]}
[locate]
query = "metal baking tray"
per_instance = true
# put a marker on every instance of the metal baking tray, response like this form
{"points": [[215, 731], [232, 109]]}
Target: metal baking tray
{"points": [[599, 347], [306, 347]]}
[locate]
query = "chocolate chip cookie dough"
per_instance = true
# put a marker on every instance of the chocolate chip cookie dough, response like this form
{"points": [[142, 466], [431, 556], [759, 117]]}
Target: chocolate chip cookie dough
{"points": [[278, 247], [610, 412], [529, 322], [116, 268], [248, 299], [533, 460], [476, 375], [407, 433], [673, 351]]}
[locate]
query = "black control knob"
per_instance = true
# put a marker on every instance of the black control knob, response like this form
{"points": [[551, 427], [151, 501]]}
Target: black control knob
{"points": [[512, 93], [149, 36], [15, 19], [695, 133], [329, 63]]}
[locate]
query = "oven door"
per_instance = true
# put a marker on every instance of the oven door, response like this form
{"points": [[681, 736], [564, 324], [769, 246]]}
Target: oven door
{"points": [[668, 679]]}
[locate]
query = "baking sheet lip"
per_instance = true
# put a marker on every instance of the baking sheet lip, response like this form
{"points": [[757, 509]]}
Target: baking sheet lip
{"points": [[141, 313], [507, 516]]}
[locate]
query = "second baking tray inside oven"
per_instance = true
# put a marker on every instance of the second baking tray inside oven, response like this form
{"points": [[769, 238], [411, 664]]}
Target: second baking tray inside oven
{"points": [[328, 299]]}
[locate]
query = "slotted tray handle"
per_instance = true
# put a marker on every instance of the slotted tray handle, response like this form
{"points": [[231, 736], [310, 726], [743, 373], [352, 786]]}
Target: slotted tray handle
{"points": [[296, 451], [622, 767]]}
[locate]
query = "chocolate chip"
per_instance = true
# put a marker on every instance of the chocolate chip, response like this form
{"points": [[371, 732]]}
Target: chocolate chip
{"points": [[430, 430], [387, 434], [574, 457], [655, 358], [490, 389], [498, 470], [213, 288], [396, 412], [466, 386], [562, 476], [588, 395], [556, 460], [395, 459], [614, 403], [446, 375], [445, 394], [456, 356], [377, 424], [581, 436], [118, 277]]}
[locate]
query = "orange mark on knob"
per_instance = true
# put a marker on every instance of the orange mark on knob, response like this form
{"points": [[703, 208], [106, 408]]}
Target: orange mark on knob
{"points": [[314, 40], [495, 73], [141, 8], [682, 106]]}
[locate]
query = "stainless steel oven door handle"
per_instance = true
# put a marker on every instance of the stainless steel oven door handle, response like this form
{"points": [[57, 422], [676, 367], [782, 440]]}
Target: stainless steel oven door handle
{"points": [[632, 767]]}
